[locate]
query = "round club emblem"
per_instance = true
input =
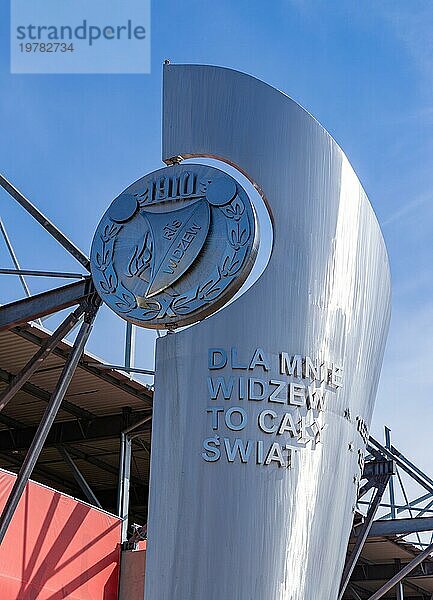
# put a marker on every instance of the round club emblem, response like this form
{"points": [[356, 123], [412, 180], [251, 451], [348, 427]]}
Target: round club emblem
{"points": [[174, 246]]}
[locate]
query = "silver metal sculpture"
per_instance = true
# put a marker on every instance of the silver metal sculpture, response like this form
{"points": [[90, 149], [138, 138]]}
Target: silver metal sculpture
{"points": [[174, 246], [221, 533], [261, 412]]}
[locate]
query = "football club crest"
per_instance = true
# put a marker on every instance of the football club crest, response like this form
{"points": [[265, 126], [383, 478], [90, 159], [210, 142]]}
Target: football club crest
{"points": [[174, 246]]}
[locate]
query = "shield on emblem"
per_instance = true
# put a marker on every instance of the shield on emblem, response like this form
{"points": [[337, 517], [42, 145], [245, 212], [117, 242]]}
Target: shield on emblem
{"points": [[178, 237]]}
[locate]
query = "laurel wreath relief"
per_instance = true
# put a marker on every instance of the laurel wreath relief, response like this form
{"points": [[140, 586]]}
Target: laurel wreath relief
{"points": [[238, 236], [238, 230], [109, 282]]}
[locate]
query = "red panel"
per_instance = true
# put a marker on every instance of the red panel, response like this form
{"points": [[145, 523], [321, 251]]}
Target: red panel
{"points": [[57, 547]]}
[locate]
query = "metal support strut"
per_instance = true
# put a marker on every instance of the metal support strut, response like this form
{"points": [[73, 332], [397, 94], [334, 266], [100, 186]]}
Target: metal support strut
{"points": [[391, 480], [44, 304], [126, 437], [46, 223], [377, 472], [79, 477], [46, 422], [124, 481], [402, 573], [354, 593], [362, 536], [14, 259], [129, 345], [33, 273], [36, 361]]}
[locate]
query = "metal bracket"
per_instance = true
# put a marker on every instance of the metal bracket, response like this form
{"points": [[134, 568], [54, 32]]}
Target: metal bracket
{"points": [[377, 472], [139, 534]]}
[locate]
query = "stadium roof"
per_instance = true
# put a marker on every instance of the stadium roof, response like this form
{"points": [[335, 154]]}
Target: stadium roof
{"points": [[381, 558], [98, 405]]}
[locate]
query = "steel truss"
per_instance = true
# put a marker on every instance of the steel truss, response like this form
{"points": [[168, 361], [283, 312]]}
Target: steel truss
{"points": [[87, 426], [383, 465]]}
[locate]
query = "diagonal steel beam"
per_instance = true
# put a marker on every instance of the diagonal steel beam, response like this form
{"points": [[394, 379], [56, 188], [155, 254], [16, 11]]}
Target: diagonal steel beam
{"points": [[404, 572], [45, 424], [35, 362], [51, 475], [46, 303], [401, 526], [104, 366], [41, 394], [419, 477], [66, 432], [10, 422], [107, 496], [46, 223], [143, 395], [354, 593], [374, 572], [369, 573], [40, 470], [411, 504], [362, 535], [101, 464], [406, 498], [79, 477], [14, 259], [93, 460], [33, 273], [411, 465]]}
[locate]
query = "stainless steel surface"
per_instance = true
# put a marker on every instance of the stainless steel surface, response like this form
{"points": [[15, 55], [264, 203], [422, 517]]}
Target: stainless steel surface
{"points": [[241, 531], [174, 246]]}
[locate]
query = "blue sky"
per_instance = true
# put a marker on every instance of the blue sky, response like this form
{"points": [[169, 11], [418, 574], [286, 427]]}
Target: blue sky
{"points": [[71, 143]]}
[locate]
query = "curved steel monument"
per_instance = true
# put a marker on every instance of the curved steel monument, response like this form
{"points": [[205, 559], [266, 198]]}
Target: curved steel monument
{"points": [[261, 410]]}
